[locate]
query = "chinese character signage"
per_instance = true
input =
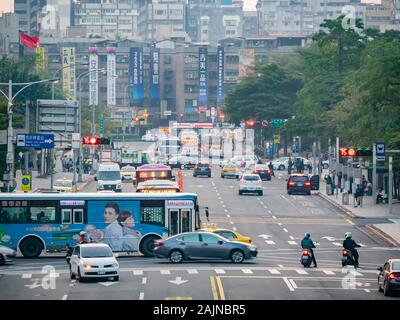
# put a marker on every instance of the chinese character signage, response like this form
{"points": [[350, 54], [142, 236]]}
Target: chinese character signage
{"points": [[155, 73], [111, 77], [39, 60], [93, 77], [220, 85], [203, 89], [68, 73], [136, 73]]}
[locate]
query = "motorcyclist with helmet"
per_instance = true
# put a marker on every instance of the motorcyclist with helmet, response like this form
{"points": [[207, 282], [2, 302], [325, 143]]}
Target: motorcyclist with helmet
{"points": [[307, 243], [82, 238], [351, 245]]}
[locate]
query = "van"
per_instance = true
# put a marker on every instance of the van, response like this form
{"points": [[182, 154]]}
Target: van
{"points": [[109, 177]]}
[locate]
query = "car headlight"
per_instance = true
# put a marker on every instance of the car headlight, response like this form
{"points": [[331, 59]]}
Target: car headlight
{"points": [[100, 186], [119, 186], [87, 266], [115, 265], [252, 248]]}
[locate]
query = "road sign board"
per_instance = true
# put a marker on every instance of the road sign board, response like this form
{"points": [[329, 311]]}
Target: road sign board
{"points": [[380, 151], [277, 138], [26, 183], [264, 123], [35, 140], [167, 113]]}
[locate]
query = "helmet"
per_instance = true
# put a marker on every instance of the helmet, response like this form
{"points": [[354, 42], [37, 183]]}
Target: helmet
{"points": [[348, 235], [82, 233], [307, 235]]}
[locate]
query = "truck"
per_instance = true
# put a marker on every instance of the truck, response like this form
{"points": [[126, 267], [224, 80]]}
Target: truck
{"points": [[130, 157]]}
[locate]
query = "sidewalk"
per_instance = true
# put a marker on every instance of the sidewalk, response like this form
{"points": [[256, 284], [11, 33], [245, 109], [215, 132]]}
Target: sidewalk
{"points": [[389, 231]]}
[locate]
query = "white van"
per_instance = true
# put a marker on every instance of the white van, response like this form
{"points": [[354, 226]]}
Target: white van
{"points": [[109, 177]]}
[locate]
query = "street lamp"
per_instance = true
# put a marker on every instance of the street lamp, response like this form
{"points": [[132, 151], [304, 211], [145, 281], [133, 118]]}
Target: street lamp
{"points": [[10, 178], [57, 71]]}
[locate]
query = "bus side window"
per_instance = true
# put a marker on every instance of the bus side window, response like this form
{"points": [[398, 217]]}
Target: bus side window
{"points": [[66, 215], [78, 216]]}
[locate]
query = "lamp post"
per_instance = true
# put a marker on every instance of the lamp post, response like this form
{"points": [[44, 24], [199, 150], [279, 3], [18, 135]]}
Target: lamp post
{"points": [[57, 71], [10, 178]]}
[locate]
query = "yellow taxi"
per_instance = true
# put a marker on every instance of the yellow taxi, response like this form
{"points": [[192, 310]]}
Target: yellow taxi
{"points": [[64, 185], [229, 234], [230, 170]]}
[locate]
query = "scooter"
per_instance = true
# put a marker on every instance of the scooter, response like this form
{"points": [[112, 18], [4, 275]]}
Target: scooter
{"points": [[306, 258], [347, 258]]}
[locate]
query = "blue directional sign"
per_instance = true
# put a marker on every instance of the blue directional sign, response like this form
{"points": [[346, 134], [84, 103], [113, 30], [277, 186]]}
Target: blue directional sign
{"points": [[380, 151], [35, 140]]}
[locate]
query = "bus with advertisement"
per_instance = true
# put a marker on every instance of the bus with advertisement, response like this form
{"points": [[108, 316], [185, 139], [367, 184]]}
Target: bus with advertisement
{"points": [[36, 223]]}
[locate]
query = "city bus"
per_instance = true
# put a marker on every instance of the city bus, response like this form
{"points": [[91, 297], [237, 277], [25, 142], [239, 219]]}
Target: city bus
{"points": [[158, 186], [39, 222], [153, 172]]}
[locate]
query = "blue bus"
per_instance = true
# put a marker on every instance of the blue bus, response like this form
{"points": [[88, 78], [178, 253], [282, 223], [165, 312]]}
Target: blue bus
{"points": [[128, 222]]}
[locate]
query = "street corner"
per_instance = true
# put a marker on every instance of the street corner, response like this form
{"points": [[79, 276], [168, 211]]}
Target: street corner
{"points": [[376, 230]]}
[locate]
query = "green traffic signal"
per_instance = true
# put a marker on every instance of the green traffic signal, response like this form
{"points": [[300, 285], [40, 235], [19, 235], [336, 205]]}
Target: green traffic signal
{"points": [[364, 152]]}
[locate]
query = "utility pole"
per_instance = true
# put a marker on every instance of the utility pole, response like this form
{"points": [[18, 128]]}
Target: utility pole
{"points": [[390, 187], [314, 156], [374, 173]]}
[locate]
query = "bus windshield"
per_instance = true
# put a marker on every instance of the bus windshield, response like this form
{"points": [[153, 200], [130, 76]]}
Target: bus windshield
{"points": [[109, 175]]}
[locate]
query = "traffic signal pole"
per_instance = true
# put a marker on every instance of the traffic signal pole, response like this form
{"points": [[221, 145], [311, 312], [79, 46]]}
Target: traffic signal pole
{"points": [[390, 187], [374, 173]]}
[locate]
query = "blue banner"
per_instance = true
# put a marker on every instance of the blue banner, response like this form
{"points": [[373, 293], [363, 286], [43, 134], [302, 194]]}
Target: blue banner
{"points": [[136, 73], [220, 85], [155, 73], [203, 85]]}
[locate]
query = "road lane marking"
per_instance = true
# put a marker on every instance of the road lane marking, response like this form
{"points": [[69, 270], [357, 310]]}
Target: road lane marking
{"points": [[223, 206], [231, 222], [349, 221], [141, 296], [328, 272], [269, 242], [286, 230], [274, 271], [265, 207], [137, 272], [273, 217], [162, 271], [234, 229], [219, 198], [228, 215], [280, 265], [144, 280], [258, 199], [192, 271], [299, 271], [247, 271], [262, 203], [269, 211], [293, 243], [337, 244], [213, 288], [221, 289], [226, 210], [367, 290], [288, 284], [291, 237], [65, 296], [279, 224], [178, 298], [26, 275], [219, 271], [293, 283]]}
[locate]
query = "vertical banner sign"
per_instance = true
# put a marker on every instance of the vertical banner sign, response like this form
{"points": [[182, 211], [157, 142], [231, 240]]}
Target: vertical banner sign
{"points": [[111, 77], [155, 74], [39, 60], [246, 61], [93, 77], [136, 73], [68, 73], [220, 86], [203, 98]]}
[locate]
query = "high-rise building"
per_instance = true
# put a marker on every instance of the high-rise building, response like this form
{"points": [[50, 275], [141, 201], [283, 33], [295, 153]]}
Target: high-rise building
{"points": [[250, 23], [29, 12]]}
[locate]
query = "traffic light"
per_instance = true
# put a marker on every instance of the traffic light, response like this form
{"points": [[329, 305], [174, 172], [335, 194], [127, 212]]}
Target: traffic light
{"points": [[250, 123], [351, 152], [364, 152], [105, 141], [91, 140]]}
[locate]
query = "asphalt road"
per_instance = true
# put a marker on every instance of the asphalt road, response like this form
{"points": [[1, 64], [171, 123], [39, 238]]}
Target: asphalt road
{"points": [[276, 222]]}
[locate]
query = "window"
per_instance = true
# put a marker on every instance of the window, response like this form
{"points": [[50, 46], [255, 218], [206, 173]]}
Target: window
{"points": [[167, 59], [66, 216], [186, 223], [396, 266], [78, 216], [43, 214], [299, 178], [226, 234], [191, 74], [232, 59], [27, 212], [77, 251], [190, 238], [209, 238], [190, 88]]}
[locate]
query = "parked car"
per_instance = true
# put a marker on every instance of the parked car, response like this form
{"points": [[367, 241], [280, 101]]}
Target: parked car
{"points": [[250, 183], [389, 277], [202, 169], [7, 255], [229, 234], [299, 183], [203, 245], [92, 260]]}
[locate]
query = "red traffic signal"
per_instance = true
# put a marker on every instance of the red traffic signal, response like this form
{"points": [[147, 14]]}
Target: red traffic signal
{"points": [[347, 152], [250, 123], [92, 140]]}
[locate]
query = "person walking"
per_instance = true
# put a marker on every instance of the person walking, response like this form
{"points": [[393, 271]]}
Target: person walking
{"points": [[271, 168], [290, 165]]}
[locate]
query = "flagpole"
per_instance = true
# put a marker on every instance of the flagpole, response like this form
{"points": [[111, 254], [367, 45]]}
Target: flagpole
{"points": [[21, 47]]}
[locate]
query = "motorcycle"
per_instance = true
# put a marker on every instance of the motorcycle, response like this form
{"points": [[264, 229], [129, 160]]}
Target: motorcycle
{"points": [[347, 258], [68, 255], [306, 258]]}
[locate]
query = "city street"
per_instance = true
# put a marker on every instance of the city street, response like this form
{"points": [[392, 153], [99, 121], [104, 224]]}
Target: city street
{"points": [[276, 222]]}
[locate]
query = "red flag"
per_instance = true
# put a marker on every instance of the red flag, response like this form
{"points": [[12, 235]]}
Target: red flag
{"points": [[28, 41]]}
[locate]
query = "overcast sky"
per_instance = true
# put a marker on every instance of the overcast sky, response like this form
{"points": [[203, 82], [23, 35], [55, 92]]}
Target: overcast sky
{"points": [[7, 5]]}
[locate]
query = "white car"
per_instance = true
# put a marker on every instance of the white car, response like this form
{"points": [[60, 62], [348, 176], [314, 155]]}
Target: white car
{"points": [[128, 173], [250, 183], [282, 163], [7, 255], [93, 260], [238, 160]]}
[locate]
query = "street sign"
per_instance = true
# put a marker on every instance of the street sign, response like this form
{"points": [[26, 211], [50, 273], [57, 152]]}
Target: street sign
{"points": [[277, 138], [26, 183], [76, 140], [264, 123], [102, 124], [380, 151], [35, 140], [167, 113], [277, 123]]}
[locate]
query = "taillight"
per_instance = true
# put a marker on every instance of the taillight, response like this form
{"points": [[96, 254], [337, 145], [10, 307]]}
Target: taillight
{"points": [[158, 244], [254, 172], [345, 252], [291, 183], [195, 166], [268, 171], [393, 276], [305, 252], [307, 183]]}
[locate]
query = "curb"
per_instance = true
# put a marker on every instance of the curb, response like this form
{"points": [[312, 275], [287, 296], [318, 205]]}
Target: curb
{"points": [[85, 184], [382, 235], [338, 206]]}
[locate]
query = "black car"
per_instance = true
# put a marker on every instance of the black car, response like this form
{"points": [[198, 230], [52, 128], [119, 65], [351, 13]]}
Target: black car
{"points": [[263, 171], [299, 183], [202, 169]]}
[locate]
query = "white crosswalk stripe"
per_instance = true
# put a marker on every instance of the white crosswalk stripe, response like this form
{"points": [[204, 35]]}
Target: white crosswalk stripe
{"points": [[269, 242], [247, 271], [274, 271], [328, 272], [299, 271], [293, 243], [192, 271], [219, 271], [165, 272], [337, 244], [27, 276], [137, 272]]}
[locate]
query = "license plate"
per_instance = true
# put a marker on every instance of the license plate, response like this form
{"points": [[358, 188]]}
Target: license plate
{"points": [[299, 184], [101, 272]]}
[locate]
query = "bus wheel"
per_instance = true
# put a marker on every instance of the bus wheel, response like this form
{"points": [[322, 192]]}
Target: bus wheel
{"points": [[147, 246], [31, 247]]}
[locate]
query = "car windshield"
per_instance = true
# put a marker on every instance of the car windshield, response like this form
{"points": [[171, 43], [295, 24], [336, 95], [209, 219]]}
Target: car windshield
{"points": [[63, 184], [261, 167], [251, 178], [231, 166], [96, 252], [396, 266], [128, 169], [109, 175], [203, 165], [299, 178]]}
